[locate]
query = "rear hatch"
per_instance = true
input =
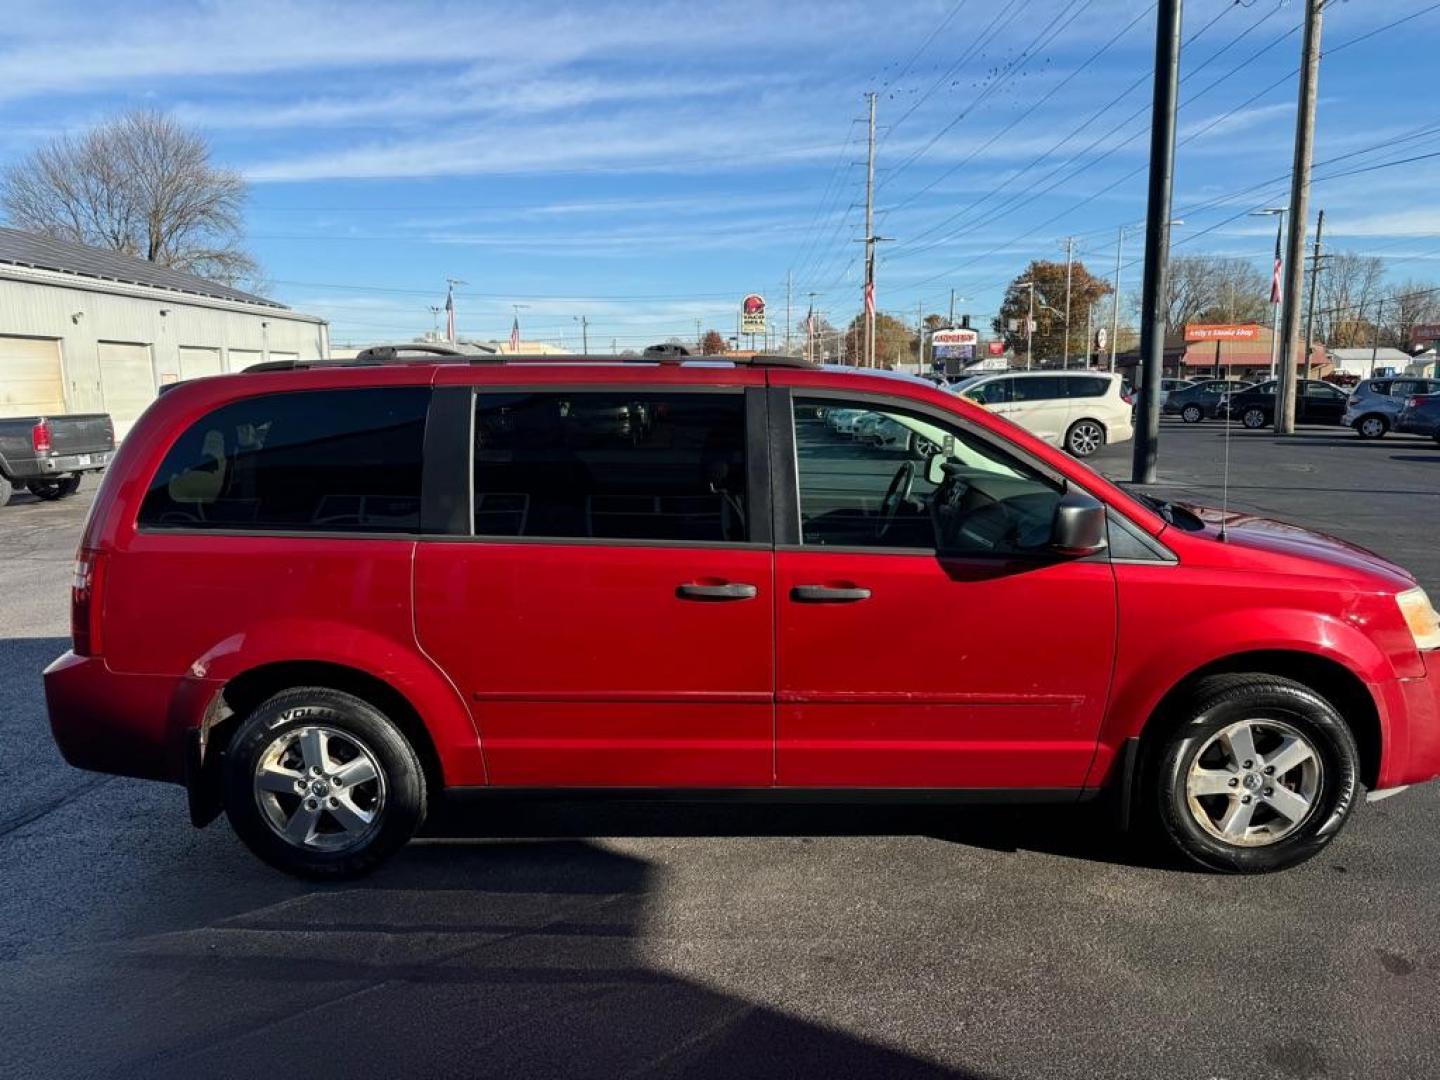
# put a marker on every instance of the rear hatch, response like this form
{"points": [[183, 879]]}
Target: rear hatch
{"points": [[81, 433]]}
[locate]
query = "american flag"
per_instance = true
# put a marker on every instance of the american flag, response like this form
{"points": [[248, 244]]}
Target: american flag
{"points": [[450, 314], [1276, 292], [515, 335], [869, 298]]}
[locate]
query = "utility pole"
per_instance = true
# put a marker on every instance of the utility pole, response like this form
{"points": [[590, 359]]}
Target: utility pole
{"points": [[1115, 306], [920, 337], [1157, 236], [1069, 266], [1029, 324], [435, 310], [1375, 338], [952, 308], [870, 240], [585, 333], [1299, 214], [1314, 288], [786, 350]]}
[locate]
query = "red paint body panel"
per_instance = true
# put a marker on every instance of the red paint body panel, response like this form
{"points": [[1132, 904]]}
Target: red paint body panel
{"points": [[577, 664], [585, 668], [954, 673]]}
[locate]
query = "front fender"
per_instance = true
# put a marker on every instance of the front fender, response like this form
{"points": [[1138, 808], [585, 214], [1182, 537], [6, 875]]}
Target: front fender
{"points": [[399, 665], [1148, 668]]}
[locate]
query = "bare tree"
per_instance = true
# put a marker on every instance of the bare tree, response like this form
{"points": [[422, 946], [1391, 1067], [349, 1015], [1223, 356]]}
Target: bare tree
{"points": [[140, 184], [1411, 304], [1206, 289], [1347, 300]]}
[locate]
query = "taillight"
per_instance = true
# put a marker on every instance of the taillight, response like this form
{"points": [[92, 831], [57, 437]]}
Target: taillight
{"points": [[85, 605], [40, 437], [1412, 402]]}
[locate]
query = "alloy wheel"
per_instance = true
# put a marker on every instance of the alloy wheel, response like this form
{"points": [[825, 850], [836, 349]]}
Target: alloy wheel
{"points": [[1254, 782], [1191, 414], [1372, 427], [320, 788], [1085, 438], [1253, 419]]}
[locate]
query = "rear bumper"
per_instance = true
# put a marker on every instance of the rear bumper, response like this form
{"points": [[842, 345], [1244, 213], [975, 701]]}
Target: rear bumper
{"points": [[59, 465], [1416, 426], [125, 724]]}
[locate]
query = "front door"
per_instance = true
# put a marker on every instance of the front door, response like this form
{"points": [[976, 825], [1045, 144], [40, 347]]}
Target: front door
{"points": [[1320, 403], [610, 621], [927, 637]]}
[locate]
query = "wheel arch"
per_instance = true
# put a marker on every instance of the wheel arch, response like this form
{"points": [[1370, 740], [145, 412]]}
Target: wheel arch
{"points": [[1327, 677]]}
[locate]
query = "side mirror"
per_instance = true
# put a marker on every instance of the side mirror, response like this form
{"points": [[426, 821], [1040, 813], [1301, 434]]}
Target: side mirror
{"points": [[935, 468], [1079, 527]]}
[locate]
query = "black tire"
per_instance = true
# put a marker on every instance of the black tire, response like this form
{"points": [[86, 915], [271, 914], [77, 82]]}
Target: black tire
{"points": [[1084, 438], [59, 487], [1192, 414], [6, 490], [1372, 426], [1217, 704], [1255, 418], [398, 810]]}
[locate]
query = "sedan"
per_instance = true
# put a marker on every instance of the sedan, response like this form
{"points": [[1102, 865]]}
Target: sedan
{"points": [[1316, 402]]}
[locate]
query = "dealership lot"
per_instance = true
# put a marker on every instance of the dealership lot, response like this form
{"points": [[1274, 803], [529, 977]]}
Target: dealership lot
{"points": [[727, 940]]}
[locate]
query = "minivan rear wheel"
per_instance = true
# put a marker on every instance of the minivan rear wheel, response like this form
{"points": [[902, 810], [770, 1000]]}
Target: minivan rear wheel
{"points": [[1259, 775], [321, 784], [1084, 438]]}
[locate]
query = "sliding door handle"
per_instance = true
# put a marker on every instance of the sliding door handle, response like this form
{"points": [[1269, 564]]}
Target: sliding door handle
{"points": [[828, 594], [728, 590]]}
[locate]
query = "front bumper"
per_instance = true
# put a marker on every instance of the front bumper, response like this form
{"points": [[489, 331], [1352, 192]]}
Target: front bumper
{"points": [[1412, 735], [125, 724]]}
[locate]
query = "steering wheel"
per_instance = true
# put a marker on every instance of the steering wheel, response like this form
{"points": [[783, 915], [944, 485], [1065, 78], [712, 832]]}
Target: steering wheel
{"points": [[896, 495]]}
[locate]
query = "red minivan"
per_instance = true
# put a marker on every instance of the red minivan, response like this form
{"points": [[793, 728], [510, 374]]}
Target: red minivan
{"points": [[324, 597]]}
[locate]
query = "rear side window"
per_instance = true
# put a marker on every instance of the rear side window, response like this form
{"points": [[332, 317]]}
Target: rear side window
{"points": [[311, 461], [1040, 388], [611, 466], [1087, 386]]}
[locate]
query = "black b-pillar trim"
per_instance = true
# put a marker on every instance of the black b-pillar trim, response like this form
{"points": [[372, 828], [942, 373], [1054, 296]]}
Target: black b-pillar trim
{"points": [[445, 485]]}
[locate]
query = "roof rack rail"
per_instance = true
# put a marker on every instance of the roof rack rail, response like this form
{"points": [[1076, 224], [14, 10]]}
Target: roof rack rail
{"points": [[388, 354]]}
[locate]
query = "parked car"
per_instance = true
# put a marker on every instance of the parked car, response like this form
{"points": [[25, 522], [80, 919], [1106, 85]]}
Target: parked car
{"points": [[1316, 402], [1200, 400], [332, 598], [1420, 415], [47, 455], [1079, 411], [1374, 404], [1169, 386]]}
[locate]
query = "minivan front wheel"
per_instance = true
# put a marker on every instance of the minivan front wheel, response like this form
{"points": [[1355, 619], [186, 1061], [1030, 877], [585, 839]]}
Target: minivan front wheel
{"points": [[1084, 438], [321, 784], [1260, 775]]}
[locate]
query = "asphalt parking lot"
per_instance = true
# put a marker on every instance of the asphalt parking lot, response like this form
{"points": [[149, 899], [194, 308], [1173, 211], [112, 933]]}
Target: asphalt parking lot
{"points": [[720, 941]]}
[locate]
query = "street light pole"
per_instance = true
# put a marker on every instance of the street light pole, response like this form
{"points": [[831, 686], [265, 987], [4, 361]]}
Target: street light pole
{"points": [[1029, 324]]}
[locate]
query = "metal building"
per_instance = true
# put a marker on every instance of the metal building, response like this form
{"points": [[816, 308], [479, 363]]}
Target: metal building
{"points": [[87, 330]]}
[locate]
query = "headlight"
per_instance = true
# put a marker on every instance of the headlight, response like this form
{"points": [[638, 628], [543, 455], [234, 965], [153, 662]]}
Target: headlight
{"points": [[1420, 615]]}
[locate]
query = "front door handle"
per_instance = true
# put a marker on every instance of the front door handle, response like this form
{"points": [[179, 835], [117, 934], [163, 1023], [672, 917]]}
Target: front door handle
{"points": [[728, 590], [828, 594]]}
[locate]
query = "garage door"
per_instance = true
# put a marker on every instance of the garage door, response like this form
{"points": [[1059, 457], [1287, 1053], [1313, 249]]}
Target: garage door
{"points": [[30, 381], [196, 362], [127, 381], [240, 359]]}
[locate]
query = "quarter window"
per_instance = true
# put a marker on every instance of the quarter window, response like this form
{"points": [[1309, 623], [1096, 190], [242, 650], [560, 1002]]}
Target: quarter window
{"points": [[611, 466], [896, 478], [1040, 388], [1089, 386], [319, 460]]}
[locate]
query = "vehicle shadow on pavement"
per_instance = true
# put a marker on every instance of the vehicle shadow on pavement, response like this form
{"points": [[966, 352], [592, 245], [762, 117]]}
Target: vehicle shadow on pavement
{"points": [[1088, 832], [457, 959], [1415, 457]]}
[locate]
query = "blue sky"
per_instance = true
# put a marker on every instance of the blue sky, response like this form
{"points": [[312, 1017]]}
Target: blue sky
{"points": [[644, 165]]}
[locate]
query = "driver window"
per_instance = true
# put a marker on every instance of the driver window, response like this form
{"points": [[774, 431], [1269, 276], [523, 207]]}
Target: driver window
{"points": [[888, 478]]}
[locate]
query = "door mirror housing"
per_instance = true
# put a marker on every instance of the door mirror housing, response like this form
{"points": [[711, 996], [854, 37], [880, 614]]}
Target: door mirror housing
{"points": [[1080, 527]]}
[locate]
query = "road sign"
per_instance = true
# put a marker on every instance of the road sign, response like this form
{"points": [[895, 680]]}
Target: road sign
{"points": [[1101, 339], [752, 314]]}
